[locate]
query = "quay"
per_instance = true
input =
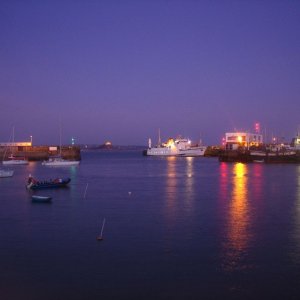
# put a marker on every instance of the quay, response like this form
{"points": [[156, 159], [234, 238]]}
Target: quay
{"points": [[248, 156], [40, 153]]}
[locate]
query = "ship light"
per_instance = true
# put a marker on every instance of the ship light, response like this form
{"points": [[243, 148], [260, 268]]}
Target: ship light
{"points": [[239, 139], [171, 143]]}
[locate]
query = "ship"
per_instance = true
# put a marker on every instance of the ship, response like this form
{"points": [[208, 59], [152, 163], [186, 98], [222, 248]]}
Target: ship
{"points": [[175, 147]]}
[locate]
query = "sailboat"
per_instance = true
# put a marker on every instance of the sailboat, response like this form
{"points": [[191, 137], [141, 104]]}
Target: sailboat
{"points": [[58, 161], [14, 160]]}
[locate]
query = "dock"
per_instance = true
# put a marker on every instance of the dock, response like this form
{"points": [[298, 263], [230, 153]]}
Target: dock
{"points": [[245, 156]]}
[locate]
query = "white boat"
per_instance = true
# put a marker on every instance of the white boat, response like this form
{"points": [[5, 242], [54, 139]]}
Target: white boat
{"points": [[14, 160], [6, 173], [175, 147], [260, 161], [60, 162]]}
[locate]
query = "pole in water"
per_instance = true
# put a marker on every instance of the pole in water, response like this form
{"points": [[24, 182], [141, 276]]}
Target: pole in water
{"points": [[85, 190], [99, 237]]}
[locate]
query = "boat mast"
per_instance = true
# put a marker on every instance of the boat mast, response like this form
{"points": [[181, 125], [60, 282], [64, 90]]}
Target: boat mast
{"points": [[60, 141], [159, 140], [60, 129], [13, 141]]}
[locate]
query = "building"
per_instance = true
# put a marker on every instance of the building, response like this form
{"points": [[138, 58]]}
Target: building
{"points": [[16, 144], [234, 140], [296, 142], [106, 145]]}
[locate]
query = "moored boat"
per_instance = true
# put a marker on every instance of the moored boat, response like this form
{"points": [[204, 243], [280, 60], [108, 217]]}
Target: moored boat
{"points": [[175, 147], [15, 160], [60, 162], [41, 199], [34, 184]]}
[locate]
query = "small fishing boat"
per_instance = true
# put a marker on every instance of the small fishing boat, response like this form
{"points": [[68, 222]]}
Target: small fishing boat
{"points": [[34, 184], [41, 199], [6, 173]]}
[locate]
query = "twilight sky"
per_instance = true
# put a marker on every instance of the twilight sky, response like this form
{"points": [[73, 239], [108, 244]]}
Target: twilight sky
{"points": [[119, 70]]}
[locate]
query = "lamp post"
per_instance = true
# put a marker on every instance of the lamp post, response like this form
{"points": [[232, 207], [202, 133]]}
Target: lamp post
{"points": [[31, 140]]}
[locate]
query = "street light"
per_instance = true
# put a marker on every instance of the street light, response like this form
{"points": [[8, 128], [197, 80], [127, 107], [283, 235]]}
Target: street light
{"points": [[31, 140]]}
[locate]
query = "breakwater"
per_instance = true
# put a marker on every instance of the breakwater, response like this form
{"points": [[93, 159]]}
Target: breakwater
{"points": [[39, 153]]}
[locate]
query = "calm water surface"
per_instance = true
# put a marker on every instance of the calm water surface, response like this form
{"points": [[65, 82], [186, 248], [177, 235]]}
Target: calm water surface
{"points": [[176, 228]]}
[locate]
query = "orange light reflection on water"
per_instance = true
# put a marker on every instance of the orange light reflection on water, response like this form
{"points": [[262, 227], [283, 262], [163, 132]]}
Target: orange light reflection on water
{"points": [[238, 209], [171, 189], [238, 234]]}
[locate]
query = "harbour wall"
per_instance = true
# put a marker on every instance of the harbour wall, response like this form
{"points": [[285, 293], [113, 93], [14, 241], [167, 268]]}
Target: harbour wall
{"points": [[246, 157], [38, 153]]}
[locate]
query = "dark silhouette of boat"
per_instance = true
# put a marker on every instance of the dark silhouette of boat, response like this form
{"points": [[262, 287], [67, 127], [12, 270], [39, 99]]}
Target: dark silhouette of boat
{"points": [[34, 184], [41, 199]]}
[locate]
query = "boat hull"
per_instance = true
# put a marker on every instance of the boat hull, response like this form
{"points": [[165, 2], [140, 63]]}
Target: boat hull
{"points": [[41, 199], [6, 173], [15, 162], [60, 163], [162, 151], [48, 184]]}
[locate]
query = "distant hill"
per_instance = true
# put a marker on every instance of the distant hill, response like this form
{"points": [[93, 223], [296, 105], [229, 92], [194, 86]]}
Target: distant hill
{"points": [[111, 147]]}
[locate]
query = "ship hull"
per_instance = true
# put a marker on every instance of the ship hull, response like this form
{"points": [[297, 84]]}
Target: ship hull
{"points": [[199, 151]]}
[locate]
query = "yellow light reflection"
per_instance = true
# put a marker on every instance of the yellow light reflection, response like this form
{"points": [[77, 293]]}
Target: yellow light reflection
{"points": [[189, 184], [189, 166], [238, 234], [171, 187]]}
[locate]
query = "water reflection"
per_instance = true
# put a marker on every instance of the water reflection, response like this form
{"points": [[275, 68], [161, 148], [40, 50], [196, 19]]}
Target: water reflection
{"points": [[257, 184], [238, 234], [171, 189], [295, 252], [74, 180], [224, 178], [189, 185], [180, 186]]}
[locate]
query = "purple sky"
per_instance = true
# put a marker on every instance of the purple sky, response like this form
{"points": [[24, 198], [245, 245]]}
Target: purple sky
{"points": [[119, 70]]}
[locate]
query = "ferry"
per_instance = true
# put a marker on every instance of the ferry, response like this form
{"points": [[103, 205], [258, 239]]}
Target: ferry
{"points": [[175, 147]]}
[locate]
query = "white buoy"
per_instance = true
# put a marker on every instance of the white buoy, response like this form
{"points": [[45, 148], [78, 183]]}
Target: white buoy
{"points": [[99, 237]]}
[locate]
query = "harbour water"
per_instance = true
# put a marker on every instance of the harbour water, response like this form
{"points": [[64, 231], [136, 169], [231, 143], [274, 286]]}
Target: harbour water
{"points": [[176, 228]]}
